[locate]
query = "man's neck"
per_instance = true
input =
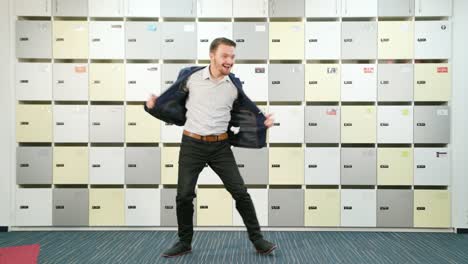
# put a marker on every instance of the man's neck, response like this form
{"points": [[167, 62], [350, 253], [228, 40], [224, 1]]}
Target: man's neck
{"points": [[217, 77]]}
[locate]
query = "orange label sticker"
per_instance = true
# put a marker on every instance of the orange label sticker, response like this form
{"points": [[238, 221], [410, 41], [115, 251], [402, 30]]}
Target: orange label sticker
{"points": [[80, 69], [368, 69], [442, 69]]}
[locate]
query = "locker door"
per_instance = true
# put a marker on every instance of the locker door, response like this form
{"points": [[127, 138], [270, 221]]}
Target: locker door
{"points": [[394, 208], [322, 166], [214, 8], [322, 82], [142, 8], [171, 133], [322, 207], [181, 8], [249, 8], [359, 8], [286, 171], [70, 82], [358, 208], [433, 8], [359, 40], [251, 40], [260, 201], [106, 39], [322, 40], [33, 207], [432, 208], [214, 207], [169, 165], [431, 124], [106, 8], [70, 40], [209, 177], [207, 32], [142, 165], [252, 164], [71, 165], [33, 165], [432, 39], [285, 207], [168, 208], [395, 82], [432, 82], [106, 82], [358, 166], [70, 207], [33, 81], [254, 79], [289, 124], [32, 8], [33, 39], [398, 8], [71, 123], [179, 41], [33, 123], [142, 207], [322, 124], [395, 40], [142, 80], [395, 124], [358, 124], [106, 123], [286, 82], [322, 8], [395, 166], [142, 40], [106, 207], [286, 40], [106, 165], [286, 8], [359, 82], [71, 8], [169, 73], [141, 127], [431, 166]]}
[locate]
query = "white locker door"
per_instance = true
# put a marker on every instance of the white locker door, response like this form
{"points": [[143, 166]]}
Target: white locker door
{"points": [[32, 8], [106, 8], [107, 40], [70, 82], [433, 8], [359, 8], [33, 207], [142, 207], [323, 8], [395, 124], [358, 208], [214, 8], [142, 80], [431, 166], [207, 32], [171, 133], [254, 79], [142, 8], [359, 82], [209, 177], [323, 40], [250, 8], [107, 165], [322, 166], [33, 81], [71, 123], [432, 40], [260, 201], [288, 124]]}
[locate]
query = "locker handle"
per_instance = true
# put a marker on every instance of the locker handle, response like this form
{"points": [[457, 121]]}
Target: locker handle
{"points": [[384, 208], [94, 207], [152, 69], [132, 123], [132, 40], [422, 39], [313, 166], [421, 166], [59, 165], [348, 124], [348, 82], [348, 208], [242, 82], [24, 165], [169, 165], [116, 26], [59, 123], [96, 81], [260, 70], [277, 124], [384, 124], [313, 40], [132, 82], [59, 39], [168, 207], [240, 165], [421, 208], [275, 166], [384, 82], [24, 123], [58, 207], [312, 207], [348, 40], [312, 82], [132, 207], [421, 124], [24, 39], [96, 166], [276, 82], [24, 207], [96, 123], [203, 206], [275, 207], [384, 166], [313, 124], [24, 81], [169, 82], [132, 165], [384, 40], [421, 82], [203, 40], [240, 40], [169, 40], [275, 40], [60, 82], [96, 40], [348, 166]]}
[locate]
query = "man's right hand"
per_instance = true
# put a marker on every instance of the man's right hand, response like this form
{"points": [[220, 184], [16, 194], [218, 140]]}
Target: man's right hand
{"points": [[151, 101]]}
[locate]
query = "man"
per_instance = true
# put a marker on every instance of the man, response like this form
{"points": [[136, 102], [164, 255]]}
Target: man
{"points": [[216, 113]]}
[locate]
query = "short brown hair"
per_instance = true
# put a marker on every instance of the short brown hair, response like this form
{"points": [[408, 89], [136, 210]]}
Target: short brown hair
{"points": [[218, 41]]}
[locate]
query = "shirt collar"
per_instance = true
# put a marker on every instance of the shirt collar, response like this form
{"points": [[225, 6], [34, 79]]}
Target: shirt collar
{"points": [[207, 76]]}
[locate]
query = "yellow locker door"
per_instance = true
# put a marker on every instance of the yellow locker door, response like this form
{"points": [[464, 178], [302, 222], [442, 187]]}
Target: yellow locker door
{"points": [[432, 208], [322, 82], [286, 166], [395, 166], [432, 82], [214, 207], [169, 165], [396, 40], [34, 123], [322, 207], [141, 127], [106, 82], [70, 165], [286, 41], [106, 207], [358, 124], [70, 39]]}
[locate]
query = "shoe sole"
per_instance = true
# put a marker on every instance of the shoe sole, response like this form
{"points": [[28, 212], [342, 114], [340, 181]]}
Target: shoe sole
{"points": [[268, 251], [177, 255]]}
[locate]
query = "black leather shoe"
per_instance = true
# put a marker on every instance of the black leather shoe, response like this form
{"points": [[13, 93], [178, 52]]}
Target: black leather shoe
{"points": [[178, 249], [264, 247]]}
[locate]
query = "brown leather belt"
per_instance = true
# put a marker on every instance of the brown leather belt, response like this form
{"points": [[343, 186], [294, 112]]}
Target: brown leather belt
{"points": [[209, 138]]}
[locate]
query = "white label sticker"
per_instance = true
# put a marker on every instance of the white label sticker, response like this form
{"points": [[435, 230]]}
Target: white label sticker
{"points": [[260, 28], [189, 28], [442, 112], [296, 28], [404, 27]]}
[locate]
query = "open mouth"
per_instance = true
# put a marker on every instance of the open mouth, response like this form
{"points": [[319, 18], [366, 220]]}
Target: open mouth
{"points": [[227, 67]]}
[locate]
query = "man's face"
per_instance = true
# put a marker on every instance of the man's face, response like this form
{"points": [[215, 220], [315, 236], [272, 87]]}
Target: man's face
{"points": [[223, 59]]}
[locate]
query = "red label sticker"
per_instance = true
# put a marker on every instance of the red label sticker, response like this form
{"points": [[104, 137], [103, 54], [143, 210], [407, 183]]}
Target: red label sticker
{"points": [[368, 69], [80, 69], [442, 69], [331, 112]]}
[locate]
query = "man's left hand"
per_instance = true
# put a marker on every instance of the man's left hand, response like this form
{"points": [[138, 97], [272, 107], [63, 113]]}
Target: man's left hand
{"points": [[269, 120]]}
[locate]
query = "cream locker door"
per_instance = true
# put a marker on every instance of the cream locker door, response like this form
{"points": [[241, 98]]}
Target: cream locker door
{"points": [[169, 165], [432, 82], [106, 82], [33, 123], [106, 207], [322, 166], [142, 80], [70, 81], [209, 177], [142, 8], [433, 8], [322, 82], [288, 124], [33, 207], [431, 166], [395, 124], [395, 166], [214, 207], [359, 82], [71, 165], [214, 8], [250, 8], [286, 41], [358, 208], [288, 171], [432, 209], [32, 8], [322, 207], [70, 39], [33, 81], [260, 201], [395, 40], [106, 8], [142, 207], [171, 133], [71, 123], [254, 79], [107, 165], [323, 8], [141, 127], [107, 39], [358, 124], [207, 32], [432, 39], [322, 40], [359, 8]]}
